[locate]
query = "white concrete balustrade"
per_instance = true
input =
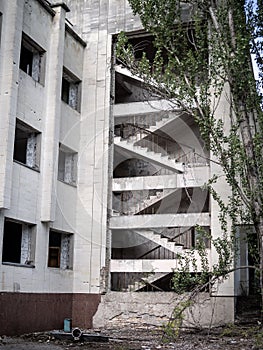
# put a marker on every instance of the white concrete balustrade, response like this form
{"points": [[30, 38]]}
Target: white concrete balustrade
{"points": [[192, 177], [147, 265], [159, 221]]}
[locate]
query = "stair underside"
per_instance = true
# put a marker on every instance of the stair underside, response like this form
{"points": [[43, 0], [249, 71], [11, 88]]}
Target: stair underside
{"points": [[157, 239], [152, 157], [144, 281]]}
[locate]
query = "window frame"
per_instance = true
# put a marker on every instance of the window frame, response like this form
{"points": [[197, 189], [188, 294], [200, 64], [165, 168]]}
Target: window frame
{"points": [[34, 137], [67, 158], [64, 256], [38, 59], [27, 243], [70, 83]]}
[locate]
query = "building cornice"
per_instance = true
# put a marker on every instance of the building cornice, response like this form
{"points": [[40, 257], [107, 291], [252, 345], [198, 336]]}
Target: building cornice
{"points": [[75, 35], [47, 6], [60, 4]]}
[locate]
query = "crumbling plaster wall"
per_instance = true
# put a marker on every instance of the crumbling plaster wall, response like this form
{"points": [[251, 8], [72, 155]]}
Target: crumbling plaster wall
{"points": [[119, 309]]}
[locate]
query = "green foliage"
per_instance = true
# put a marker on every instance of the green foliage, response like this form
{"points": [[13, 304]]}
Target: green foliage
{"points": [[203, 56], [230, 330], [190, 277], [172, 328]]}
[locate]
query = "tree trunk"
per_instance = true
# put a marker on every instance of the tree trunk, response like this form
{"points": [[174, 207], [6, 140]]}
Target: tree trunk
{"points": [[253, 180], [259, 231]]}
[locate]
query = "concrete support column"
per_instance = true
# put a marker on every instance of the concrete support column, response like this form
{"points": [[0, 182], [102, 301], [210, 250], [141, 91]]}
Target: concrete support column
{"points": [[227, 287], [90, 243], [50, 139], [9, 70]]}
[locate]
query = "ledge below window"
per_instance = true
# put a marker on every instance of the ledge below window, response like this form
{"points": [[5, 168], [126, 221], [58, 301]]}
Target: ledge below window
{"points": [[18, 265], [27, 166], [68, 183]]}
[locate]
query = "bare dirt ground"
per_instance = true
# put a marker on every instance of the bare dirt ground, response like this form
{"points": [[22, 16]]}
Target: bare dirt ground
{"points": [[249, 337]]}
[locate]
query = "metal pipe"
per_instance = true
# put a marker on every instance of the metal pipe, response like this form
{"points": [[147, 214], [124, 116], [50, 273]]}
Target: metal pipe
{"points": [[76, 333]]}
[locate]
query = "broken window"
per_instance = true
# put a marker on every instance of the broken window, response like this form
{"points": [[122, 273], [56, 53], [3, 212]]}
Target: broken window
{"points": [[18, 242], [32, 59], [67, 165], [27, 145], [60, 250], [70, 90]]}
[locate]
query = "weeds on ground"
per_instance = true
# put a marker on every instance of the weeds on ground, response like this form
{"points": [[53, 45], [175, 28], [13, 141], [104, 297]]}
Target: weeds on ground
{"points": [[248, 332]]}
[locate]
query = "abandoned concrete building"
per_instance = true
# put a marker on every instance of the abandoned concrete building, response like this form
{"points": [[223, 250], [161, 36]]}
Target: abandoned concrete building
{"points": [[96, 175]]}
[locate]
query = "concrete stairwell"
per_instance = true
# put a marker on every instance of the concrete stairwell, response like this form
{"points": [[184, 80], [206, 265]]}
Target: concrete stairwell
{"points": [[151, 121], [146, 203], [144, 153], [162, 241], [167, 118], [143, 281]]}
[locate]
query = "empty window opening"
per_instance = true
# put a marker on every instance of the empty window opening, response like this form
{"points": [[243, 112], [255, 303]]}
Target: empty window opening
{"points": [[60, 250], [142, 44], [70, 90], [18, 243], [67, 165], [129, 88], [32, 59], [27, 145]]}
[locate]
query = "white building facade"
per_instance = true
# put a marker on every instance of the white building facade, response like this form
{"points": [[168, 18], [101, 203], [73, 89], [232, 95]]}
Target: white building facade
{"points": [[100, 189]]}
